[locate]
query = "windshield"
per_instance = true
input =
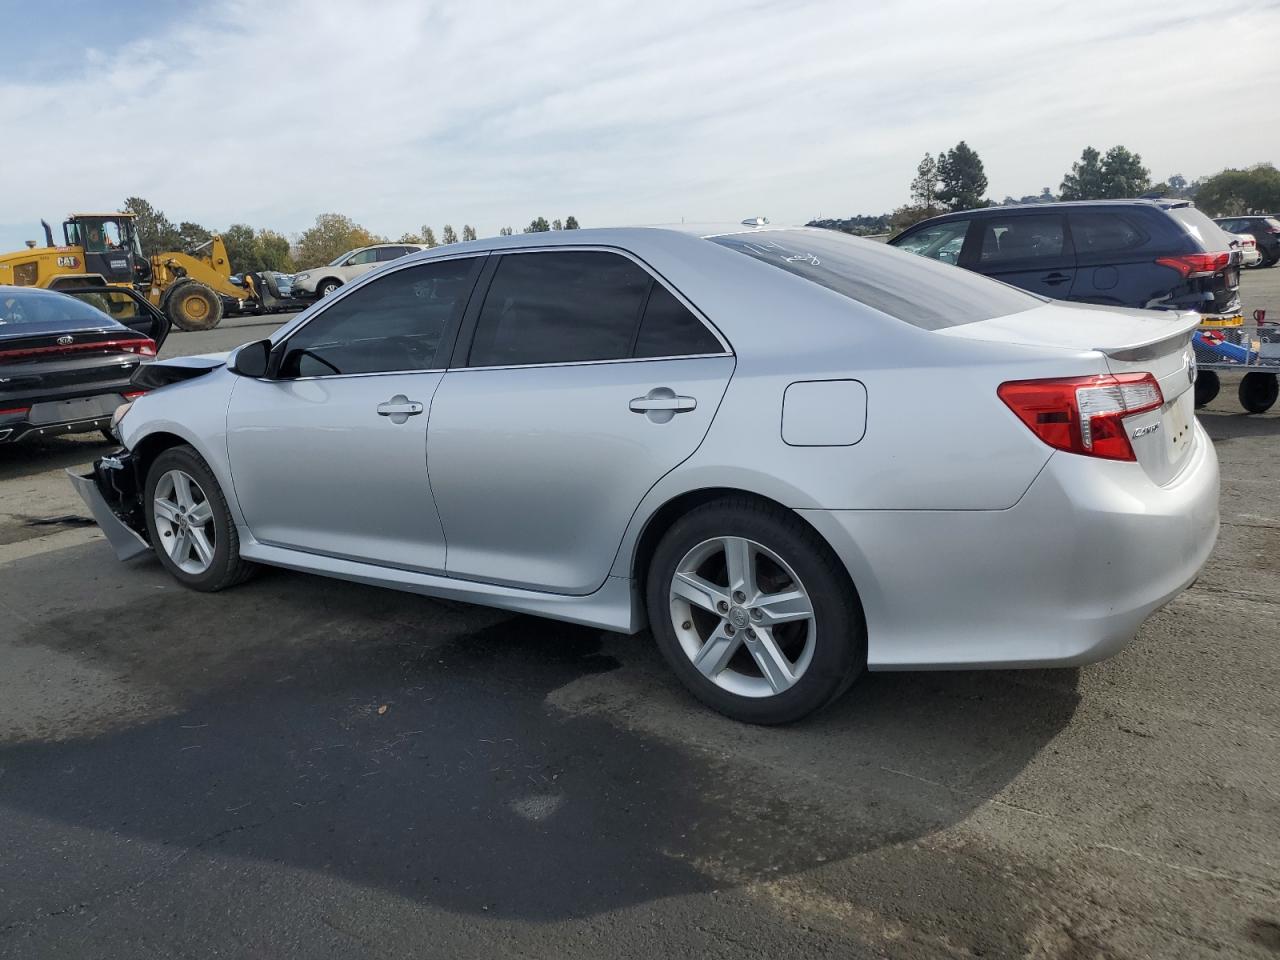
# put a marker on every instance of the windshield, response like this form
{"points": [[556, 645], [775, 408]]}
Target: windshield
{"points": [[27, 312], [338, 259], [916, 290]]}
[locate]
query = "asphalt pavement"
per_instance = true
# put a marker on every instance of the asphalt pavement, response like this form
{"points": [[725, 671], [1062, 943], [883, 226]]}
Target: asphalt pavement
{"points": [[305, 767]]}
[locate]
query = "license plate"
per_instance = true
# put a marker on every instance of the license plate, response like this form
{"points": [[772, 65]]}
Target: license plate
{"points": [[1177, 423], [82, 408]]}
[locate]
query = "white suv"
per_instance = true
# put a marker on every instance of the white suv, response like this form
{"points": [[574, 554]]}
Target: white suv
{"points": [[322, 281]]}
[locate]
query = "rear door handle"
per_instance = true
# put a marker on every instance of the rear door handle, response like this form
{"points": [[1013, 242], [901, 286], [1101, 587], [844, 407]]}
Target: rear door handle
{"points": [[1053, 279], [661, 404], [399, 408]]}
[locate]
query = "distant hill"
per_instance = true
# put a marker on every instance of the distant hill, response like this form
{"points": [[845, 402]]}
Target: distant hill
{"points": [[860, 225]]}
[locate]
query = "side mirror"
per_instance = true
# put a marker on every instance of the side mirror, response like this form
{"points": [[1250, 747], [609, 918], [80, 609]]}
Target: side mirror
{"points": [[252, 359]]}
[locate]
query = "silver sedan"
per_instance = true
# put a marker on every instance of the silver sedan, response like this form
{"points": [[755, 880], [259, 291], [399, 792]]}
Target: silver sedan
{"points": [[790, 454]]}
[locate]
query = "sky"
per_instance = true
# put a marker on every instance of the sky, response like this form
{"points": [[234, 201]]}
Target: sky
{"points": [[400, 113]]}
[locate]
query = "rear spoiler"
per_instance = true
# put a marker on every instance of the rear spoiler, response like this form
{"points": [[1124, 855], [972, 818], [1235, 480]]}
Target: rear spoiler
{"points": [[1187, 322]]}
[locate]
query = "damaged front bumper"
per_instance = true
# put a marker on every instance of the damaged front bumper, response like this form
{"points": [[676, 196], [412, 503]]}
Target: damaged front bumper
{"points": [[113, 494]]}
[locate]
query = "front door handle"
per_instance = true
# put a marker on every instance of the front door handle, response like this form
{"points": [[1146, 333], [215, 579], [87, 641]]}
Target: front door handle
{"points": [[399, 408], [661, 404], [1053, 279]]}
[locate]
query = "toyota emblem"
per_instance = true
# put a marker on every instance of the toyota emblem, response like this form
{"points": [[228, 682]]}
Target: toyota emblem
{"points": [[1191, 365]]}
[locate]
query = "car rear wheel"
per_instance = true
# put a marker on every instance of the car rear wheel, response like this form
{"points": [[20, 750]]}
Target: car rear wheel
{"points": [[754, 613], [190, 526], [1258, 391]]}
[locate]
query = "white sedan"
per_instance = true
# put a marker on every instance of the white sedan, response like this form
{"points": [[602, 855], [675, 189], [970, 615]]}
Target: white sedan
{"points": [[790, 454]]}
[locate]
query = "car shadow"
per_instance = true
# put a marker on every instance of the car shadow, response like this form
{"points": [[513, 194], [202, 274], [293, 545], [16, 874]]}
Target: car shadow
{"points": [[1222, 426], [28, 458], [413, 746]]}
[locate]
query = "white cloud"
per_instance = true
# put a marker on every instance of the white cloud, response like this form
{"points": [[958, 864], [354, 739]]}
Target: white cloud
{"points": [[404, 112]]}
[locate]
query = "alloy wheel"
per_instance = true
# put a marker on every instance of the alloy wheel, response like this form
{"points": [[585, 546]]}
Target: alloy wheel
{"points": [[742, 616], [184, 521]]}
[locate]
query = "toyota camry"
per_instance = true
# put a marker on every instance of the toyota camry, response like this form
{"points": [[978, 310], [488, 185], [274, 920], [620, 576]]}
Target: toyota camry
{"points": [[791, 454]]}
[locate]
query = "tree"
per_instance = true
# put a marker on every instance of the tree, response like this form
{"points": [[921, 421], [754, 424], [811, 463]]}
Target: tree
{"points": [[962, 181], [332, 235], [191, 236], [538, 226], [273, 251], [1084, 182], [1116, 175], [1233, 192], [429, 237], [924, 188], [505, 232], [1123, 174], [908, 215], [155, 232], [556, 224], [242, 247], [410, 238], [447, 235], [571, 223], [468, 232]]}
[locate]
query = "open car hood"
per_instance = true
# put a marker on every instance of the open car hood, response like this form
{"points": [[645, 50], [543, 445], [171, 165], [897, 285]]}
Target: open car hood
{"points": [[161, 372]]}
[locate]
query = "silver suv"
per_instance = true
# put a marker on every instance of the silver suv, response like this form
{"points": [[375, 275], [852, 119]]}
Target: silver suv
{"points": [[322, 281]]}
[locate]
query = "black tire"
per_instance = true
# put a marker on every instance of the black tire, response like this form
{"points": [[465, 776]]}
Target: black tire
{"points": [[1207, 386], [227, 568], [1270, 261], [1258, 391], [839, 651], [326, 287], [193, 306]]}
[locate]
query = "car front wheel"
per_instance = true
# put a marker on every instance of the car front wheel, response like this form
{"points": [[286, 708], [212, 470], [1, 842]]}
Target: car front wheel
{"points": [[190, 526], [754, 612]]}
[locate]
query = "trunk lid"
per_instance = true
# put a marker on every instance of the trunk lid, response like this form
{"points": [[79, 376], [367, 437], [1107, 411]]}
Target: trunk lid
{"points": [[1157, 342], [68, 362]]}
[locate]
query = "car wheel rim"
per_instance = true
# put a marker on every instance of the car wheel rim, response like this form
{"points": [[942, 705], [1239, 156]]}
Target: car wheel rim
{"points": [[742, 616], [184, 522]]}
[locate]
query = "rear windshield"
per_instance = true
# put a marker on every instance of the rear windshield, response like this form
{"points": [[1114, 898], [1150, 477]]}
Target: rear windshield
{"points": [[26, 312], [1210, 236], [913, 289]]}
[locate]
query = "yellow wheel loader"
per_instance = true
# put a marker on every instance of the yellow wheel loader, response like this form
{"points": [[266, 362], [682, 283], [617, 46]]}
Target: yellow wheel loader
{"points": [[103, 248]]}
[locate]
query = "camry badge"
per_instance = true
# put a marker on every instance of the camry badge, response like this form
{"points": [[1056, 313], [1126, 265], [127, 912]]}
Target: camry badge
{"points": [[1143, 431]]}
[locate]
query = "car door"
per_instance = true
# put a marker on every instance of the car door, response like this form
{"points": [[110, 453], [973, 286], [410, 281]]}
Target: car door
{"points": [[329, 452], [1114, 262], [360, 262], [1028, 250], [579, 381]]}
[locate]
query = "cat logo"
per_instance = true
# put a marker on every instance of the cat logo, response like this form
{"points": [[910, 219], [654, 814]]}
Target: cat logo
{"points": [[71, 262]]}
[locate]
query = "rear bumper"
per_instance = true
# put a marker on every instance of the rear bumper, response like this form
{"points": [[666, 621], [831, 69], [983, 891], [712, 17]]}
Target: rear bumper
{"points": [[96, 412], [111, 494], [1064, 577]]}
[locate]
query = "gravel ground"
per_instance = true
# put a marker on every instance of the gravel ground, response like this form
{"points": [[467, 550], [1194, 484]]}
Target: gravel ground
{"points": [[302, 767]]}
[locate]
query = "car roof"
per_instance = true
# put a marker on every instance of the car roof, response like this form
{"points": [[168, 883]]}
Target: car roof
{"points": [[36, 291]]}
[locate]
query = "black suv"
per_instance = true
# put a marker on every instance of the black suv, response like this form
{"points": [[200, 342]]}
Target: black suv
{"points": [[1264, 230], [1161, 254]]}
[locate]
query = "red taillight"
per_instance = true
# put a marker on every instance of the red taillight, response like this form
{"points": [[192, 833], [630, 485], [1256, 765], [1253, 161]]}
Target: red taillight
{"points": [[1083, 414], [15, 412], [145, 347], [133, 394], [1196, 264]]}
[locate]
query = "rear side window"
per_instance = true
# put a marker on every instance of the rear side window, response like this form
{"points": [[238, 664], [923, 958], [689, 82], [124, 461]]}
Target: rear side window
{"points": [[915, 290], [389, 253], [561, 307], [395, 323], [1021, 238], [1100, 232], [1205, 232], [669, 329]]}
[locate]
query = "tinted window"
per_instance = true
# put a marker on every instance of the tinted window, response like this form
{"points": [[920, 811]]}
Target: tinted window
{"points": [[390, 253], [941, 241], [37, 311], [1100, 232], [364, 256], [393, 323], [669, 329], [1020, 238], [560, 307], [913, 289]]}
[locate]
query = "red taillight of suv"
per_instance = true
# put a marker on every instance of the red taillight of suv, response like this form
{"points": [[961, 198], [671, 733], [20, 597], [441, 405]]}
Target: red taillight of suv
{"points": [[1083, 414], [1196, 264]]}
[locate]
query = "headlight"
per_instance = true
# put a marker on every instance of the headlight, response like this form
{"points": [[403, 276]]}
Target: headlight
{"points": [[302, 276]]}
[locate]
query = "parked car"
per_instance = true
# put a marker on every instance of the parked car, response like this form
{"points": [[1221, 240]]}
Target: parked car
{"points": [[1249, 255], [1265, 231], [793, 454], [322, 281], [66, 357], [1161, 254]]}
